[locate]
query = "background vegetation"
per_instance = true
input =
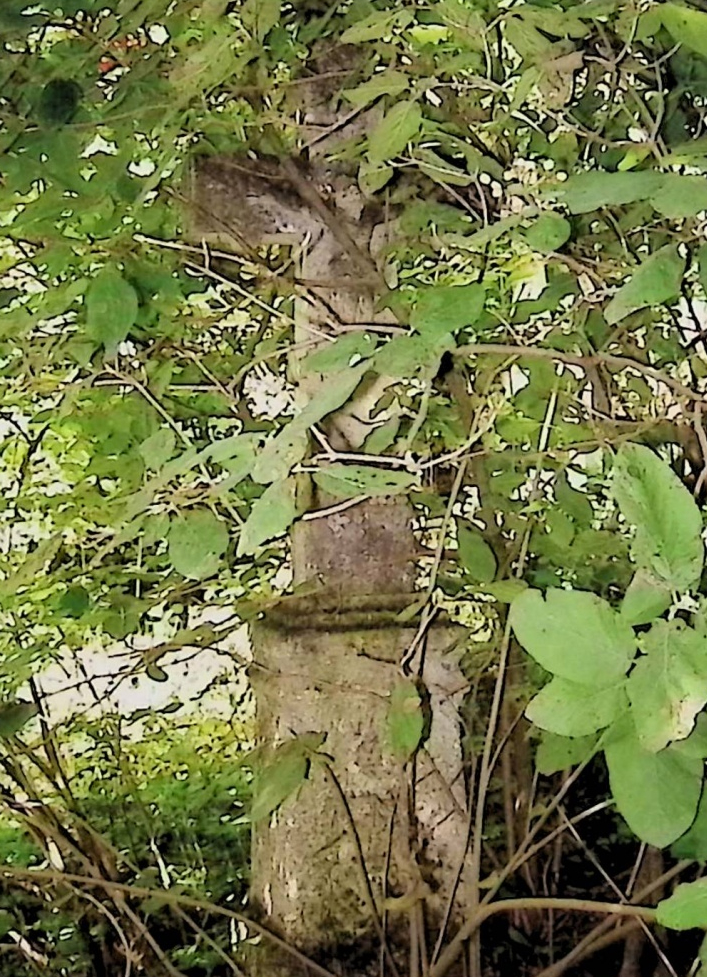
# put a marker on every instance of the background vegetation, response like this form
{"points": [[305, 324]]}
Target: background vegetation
{"points": [[543, 167]]}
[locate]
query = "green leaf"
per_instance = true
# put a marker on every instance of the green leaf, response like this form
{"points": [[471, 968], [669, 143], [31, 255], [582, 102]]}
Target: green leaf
{"points": [[646, 599], [570, 709], [693, 844], [475, 554], [388, 82], [372, 177], [15, 715], [585, 192], [680, 196], [124, 615], [505, 591], [668, 523], [655, 282], [284, 773], [376, 26], [338, 355], [405, 720], [260, 16], [549, 232], [656, 793], [155, 673], [441, 309], [667, 686], [556, 753], [394, 131], [197, 542], [33, 565], [158, 448], [405, 356], [686, 908], [59, 101], [289, 446], [272, 515], [688, 26], [439, 169], [346, 481], [574, 634], [573, 502], [74, 601], [111, 309], [7, 922]]}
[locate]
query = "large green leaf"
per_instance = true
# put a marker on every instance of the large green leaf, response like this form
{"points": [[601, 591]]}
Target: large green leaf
{"points": [[556, 753], [272, 515], [655, 282], [693, 844], [394, 131], [688, 26], [585, 192], [668, 686], [646, 598], [377, 25], [405, 356], [686, 908], [668, 523], [111, 308], [574, 634], [673, 195], [570, 709], [197, 542], [680, 196], [656, 793]]}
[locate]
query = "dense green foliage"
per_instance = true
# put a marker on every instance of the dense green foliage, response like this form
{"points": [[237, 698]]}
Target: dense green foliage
{"points": [[543, 166]]}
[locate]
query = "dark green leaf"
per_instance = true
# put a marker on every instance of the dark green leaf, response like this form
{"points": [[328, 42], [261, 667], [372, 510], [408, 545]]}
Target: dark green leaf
{"points": [[59, 101], [475, 554], [15, 715], [585, 192]]}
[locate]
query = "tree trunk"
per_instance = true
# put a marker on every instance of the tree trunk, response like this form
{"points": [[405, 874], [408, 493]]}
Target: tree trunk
{"points": [[369, 853]]}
